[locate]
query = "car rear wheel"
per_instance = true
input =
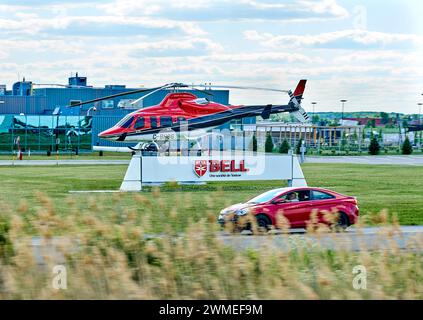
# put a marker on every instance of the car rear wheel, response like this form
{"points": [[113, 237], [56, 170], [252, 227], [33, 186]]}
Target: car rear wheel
{"points": [[343, 221], [263, 222]]}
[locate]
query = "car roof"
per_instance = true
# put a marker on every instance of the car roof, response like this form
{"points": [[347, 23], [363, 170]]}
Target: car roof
{"points": [[286, 189]]}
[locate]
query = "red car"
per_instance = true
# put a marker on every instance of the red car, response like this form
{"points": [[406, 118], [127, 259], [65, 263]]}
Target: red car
{"points": [[297, 205]]}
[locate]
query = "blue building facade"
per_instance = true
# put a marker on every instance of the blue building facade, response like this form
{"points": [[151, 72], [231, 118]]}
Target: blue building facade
{"points": [[40, 119]]}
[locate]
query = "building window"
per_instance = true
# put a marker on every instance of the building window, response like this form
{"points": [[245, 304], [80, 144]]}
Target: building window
{"points": [[107, 104]]}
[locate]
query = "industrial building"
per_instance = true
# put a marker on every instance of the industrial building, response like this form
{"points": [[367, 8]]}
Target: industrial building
{"points": [[38, 117]]}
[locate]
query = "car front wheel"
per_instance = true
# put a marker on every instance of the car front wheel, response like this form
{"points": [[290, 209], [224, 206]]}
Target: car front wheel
{"points": [[263, 222]]}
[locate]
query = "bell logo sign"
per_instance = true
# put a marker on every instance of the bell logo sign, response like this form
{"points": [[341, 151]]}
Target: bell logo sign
{"points": [[218, 167]]}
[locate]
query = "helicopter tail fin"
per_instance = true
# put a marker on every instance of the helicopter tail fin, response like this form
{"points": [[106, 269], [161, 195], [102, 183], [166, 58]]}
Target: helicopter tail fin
{"points": [[299, 90]]}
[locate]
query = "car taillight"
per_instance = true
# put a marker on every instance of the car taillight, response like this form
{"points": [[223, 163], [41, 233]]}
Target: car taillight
{"points": [[352, 200]]}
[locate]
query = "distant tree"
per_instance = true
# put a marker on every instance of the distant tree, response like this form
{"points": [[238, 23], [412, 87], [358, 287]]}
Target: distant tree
{"points": [[284, 147], [268, 146], [384, 118], [407, 147], [298, 147], [315, 119], [344, 140], [380, 135], [374, 146], [254, 143], [371, 123], [404, 123], [354, 137]]}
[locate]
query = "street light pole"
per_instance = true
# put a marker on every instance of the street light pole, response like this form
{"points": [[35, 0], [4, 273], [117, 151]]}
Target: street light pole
{"points": [[420, 111], [343, 102], [92, 108], [314, 104]]}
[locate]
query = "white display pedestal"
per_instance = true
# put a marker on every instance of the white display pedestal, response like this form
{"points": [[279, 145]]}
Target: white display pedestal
{"points": [[148, 170]]}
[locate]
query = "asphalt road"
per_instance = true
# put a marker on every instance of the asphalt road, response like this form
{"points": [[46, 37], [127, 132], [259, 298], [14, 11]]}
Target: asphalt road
{"points": [[405, 238], [412, 160], [375, 238]]}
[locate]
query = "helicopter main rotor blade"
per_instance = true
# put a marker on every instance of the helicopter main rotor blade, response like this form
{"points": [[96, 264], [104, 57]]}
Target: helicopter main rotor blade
{"points": [[240, 87], [112, 96], [171, 85], [168, 86], [203, 91]]}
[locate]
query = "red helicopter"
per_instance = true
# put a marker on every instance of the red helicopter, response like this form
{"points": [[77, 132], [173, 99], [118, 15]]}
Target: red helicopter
{"points": [[184, 115]]}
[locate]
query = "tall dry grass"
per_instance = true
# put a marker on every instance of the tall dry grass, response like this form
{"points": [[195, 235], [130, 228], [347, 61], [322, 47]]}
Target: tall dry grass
{"points": [[110, 253]]}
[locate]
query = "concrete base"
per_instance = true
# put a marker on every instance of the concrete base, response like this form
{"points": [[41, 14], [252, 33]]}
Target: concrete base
{"points": [[132, 180]]}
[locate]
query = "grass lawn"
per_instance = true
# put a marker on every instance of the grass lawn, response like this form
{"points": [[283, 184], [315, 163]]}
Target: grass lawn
{"points": [[377, 187]]}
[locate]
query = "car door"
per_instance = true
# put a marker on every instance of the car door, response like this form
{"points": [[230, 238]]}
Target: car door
{"points": [[297, 212], [322, 201]]}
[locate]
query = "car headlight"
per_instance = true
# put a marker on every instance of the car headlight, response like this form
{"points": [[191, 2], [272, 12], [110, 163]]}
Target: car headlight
{"points": [[241, 212], [223, 212]]}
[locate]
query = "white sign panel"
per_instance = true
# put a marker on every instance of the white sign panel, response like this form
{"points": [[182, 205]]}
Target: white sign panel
{"points": [[219, 168]]}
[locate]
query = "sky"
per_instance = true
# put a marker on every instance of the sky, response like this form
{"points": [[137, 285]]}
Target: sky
{"points": [[368, 52]]}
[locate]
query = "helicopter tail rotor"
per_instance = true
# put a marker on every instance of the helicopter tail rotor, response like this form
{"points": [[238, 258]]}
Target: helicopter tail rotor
{"points": [[295, 102]]}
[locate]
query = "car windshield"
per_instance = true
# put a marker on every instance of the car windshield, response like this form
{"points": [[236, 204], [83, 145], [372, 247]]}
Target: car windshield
{"points": [[265, 197]]}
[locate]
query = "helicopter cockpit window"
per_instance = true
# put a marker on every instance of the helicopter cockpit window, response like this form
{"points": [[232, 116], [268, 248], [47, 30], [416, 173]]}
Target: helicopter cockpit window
{"points": [[139, 123], [125, 122]]}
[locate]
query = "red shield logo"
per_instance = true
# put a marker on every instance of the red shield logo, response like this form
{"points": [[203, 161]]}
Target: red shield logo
{"points": [[200, 167]]}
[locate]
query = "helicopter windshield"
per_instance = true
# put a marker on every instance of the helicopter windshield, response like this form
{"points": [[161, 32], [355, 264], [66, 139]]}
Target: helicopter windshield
{"points": [[125, 122]]}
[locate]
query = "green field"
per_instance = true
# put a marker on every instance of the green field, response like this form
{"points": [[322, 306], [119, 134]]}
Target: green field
{"points": [[377, 187], [110, 254]]}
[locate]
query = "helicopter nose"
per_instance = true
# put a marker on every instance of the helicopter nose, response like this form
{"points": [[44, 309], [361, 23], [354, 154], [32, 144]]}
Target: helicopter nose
{"points": [[109, 134]]}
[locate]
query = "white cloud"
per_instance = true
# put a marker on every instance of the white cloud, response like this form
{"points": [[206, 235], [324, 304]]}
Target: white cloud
{"points": [[34, 25], [362, 37], [228, 10], [326, 6]]}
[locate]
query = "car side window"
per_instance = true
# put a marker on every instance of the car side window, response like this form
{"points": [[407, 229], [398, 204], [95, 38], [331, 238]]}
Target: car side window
{"points": [[153, 122], [139, 124], [319, 195], [296, 196], [304, 195]]}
